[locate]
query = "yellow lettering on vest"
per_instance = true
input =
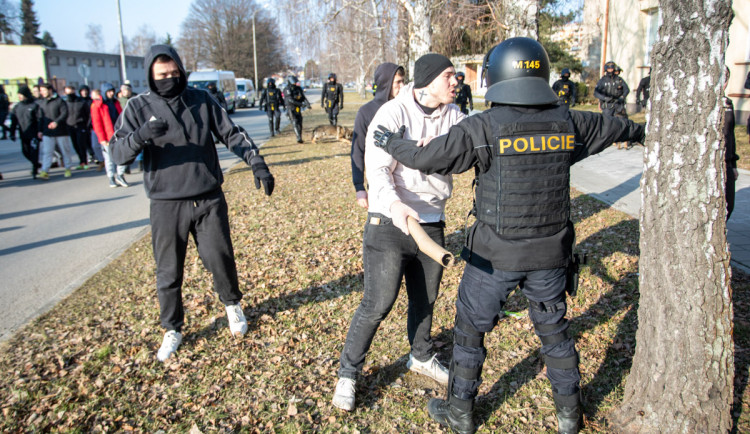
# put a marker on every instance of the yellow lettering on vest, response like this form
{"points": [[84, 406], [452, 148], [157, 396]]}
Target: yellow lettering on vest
{"points": [[525, 144], [570, 142], [533, 148], [504, 144], [552, 147]]}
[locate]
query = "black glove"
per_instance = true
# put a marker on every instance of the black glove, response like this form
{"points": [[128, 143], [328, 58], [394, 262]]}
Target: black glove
{"points": [[150, 130], [383, 137], [261, 174], [307, 104]]}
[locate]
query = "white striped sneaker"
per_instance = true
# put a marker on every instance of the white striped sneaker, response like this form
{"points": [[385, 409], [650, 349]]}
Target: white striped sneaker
{"points": [[343, 397], [236, 319], [431, 368]]}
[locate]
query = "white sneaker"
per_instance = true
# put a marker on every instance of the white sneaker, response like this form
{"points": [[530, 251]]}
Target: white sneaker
{"points": [[172, 340], [236, 318], [343, 397], [431, 368]]}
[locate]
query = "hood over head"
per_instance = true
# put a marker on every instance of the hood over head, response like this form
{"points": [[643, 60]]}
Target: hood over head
{"points": [[383, 78], [84, 87], [26, 92], [169, 51], [106, 87]]}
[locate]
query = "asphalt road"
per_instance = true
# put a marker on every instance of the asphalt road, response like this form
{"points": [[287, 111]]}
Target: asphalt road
{"points": [[56, 234]]}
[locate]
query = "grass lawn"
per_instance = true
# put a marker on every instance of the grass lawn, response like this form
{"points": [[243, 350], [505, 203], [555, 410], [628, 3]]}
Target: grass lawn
{"points": [[89, 364]]}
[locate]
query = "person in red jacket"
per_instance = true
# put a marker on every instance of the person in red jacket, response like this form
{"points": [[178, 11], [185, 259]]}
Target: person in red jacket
{"points": [[104, 113]]}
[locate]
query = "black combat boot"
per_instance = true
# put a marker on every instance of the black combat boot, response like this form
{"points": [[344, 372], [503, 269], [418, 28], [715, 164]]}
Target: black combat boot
{"points": [[455, 414], [569, 413], [270, 126]]}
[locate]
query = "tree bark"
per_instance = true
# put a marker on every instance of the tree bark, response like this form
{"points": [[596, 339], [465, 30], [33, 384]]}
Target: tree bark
{"points": [[522, 18], [682, 374]]}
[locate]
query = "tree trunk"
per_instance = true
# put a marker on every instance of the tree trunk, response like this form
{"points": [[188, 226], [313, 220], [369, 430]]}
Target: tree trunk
{"points": [[420, 29], [682, 374], [522, 18]]}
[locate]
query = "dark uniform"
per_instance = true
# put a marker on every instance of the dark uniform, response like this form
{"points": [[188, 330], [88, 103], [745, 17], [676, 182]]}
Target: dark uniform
{"points": [[522, 149], [565, 89], [295, 100], [463, 94], [730, 154], [218, 96], [332, 99], [272, 102], [644, 87], [612, 90]]}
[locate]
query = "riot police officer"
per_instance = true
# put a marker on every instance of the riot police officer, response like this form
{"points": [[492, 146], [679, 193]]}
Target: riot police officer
{"points": [[295, 100], [644, 88], [218, 96], [565, 89], [463, 94], [522, 149], [332, 98], [272, 102], [611, 90]]}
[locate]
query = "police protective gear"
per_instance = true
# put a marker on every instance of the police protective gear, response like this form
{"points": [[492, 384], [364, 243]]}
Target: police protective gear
{"points": [[332, 99], [518, 73], [332, 76], [536, 148], [460, 75], [565, 72], [271, 82], [292, 80]]}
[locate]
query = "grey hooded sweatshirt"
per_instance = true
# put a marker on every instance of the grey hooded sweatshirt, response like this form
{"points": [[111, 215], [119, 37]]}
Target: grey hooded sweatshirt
{"points": [[183, 163]]}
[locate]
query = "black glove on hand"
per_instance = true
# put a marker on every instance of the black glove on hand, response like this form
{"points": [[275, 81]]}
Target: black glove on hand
{"points": [[383, 137], [261, 174], [150, 130]]}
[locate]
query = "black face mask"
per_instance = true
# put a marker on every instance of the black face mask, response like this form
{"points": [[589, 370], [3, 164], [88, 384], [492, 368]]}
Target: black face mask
{"points": [[168, 87]]}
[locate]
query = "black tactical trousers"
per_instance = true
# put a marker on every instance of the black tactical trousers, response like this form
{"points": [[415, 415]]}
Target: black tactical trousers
{"points": [[481, 297], [172, 222]]}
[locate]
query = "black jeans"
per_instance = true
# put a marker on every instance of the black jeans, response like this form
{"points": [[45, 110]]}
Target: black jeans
{"points": [[81, 138], [390, 255], [30, 150], [481, 297], [172, 222]]}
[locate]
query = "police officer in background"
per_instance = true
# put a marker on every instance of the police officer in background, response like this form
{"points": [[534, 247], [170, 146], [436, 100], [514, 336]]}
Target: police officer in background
{"points": [[611, 90], [272, 102], [463, 94], [644, 87], [526, 137], [565, 89], [332, 99], [218, 96], [295, 99]]}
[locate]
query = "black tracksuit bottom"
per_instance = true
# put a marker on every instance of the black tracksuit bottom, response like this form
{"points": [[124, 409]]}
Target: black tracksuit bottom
{"points": [[172, 222], [30, 150]]}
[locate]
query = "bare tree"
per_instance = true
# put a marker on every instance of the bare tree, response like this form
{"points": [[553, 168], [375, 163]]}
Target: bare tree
{"points": [[95, 37], [218, 33], [142, 41], [682, 374]]}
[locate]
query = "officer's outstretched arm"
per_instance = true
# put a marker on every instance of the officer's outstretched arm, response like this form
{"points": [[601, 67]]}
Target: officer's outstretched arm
{"points": [[446, 154], [597, 132]]}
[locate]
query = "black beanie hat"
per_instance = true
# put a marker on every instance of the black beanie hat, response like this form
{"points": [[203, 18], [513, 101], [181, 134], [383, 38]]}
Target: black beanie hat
{"points": [[428, 67], [26, 92]]}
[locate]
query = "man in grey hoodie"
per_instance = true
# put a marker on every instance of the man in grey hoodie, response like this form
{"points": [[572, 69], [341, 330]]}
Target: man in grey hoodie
{"points": [[173, 125]]}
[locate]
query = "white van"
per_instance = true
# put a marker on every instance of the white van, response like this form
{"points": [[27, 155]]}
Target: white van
{"points": [[224, 81], [245, 93]]}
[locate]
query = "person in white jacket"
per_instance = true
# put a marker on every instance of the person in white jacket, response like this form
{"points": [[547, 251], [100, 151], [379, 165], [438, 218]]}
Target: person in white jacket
{"points": [[425, 109]]}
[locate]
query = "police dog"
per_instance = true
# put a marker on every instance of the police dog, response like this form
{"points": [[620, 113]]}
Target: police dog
{"points": [[329, 132]]}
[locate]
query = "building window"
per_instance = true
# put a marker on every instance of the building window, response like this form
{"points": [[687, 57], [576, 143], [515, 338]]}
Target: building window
{"points": [[86, 62], [100, 62], [71, 61], [54, 60], [113, 63], [135, 83], [652, 35]]}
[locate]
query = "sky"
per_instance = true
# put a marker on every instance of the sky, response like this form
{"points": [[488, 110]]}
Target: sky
{"points": [[68, 20]]}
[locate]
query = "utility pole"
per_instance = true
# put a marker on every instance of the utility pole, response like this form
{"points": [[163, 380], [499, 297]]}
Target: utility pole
{"points": [[255, 57], [604, 40], [122, 46]]}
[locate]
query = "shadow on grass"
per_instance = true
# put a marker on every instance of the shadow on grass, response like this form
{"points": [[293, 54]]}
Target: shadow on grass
{"points": [[741, 322]]}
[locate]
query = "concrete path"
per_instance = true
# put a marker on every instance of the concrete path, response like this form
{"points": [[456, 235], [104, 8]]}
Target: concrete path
{"points": [[614, 177]]}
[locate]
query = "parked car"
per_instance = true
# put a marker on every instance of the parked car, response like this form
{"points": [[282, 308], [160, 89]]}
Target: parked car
{"points": [[224, 81], [245, 92]]}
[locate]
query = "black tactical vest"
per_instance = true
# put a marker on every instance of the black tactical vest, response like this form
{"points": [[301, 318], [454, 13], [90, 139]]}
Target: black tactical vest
{"points": [[331, 94], [525, 193], [565, 91], [273, 96]]}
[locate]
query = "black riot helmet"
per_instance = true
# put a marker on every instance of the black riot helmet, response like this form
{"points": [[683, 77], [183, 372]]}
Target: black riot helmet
{"points": [[271, 82], [332, 76], [517, 73], [292, 80], [608, 65], [460, 75], [565, 73]]}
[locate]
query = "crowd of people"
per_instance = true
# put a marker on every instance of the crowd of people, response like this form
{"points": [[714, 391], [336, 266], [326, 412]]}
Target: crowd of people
{"points": [[56, 129]]}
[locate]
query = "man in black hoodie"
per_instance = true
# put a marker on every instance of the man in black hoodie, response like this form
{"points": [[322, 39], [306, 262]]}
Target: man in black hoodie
{"points": [[173, 125], [389, 79], [25, 117], [54, 131], [78, 121]]}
